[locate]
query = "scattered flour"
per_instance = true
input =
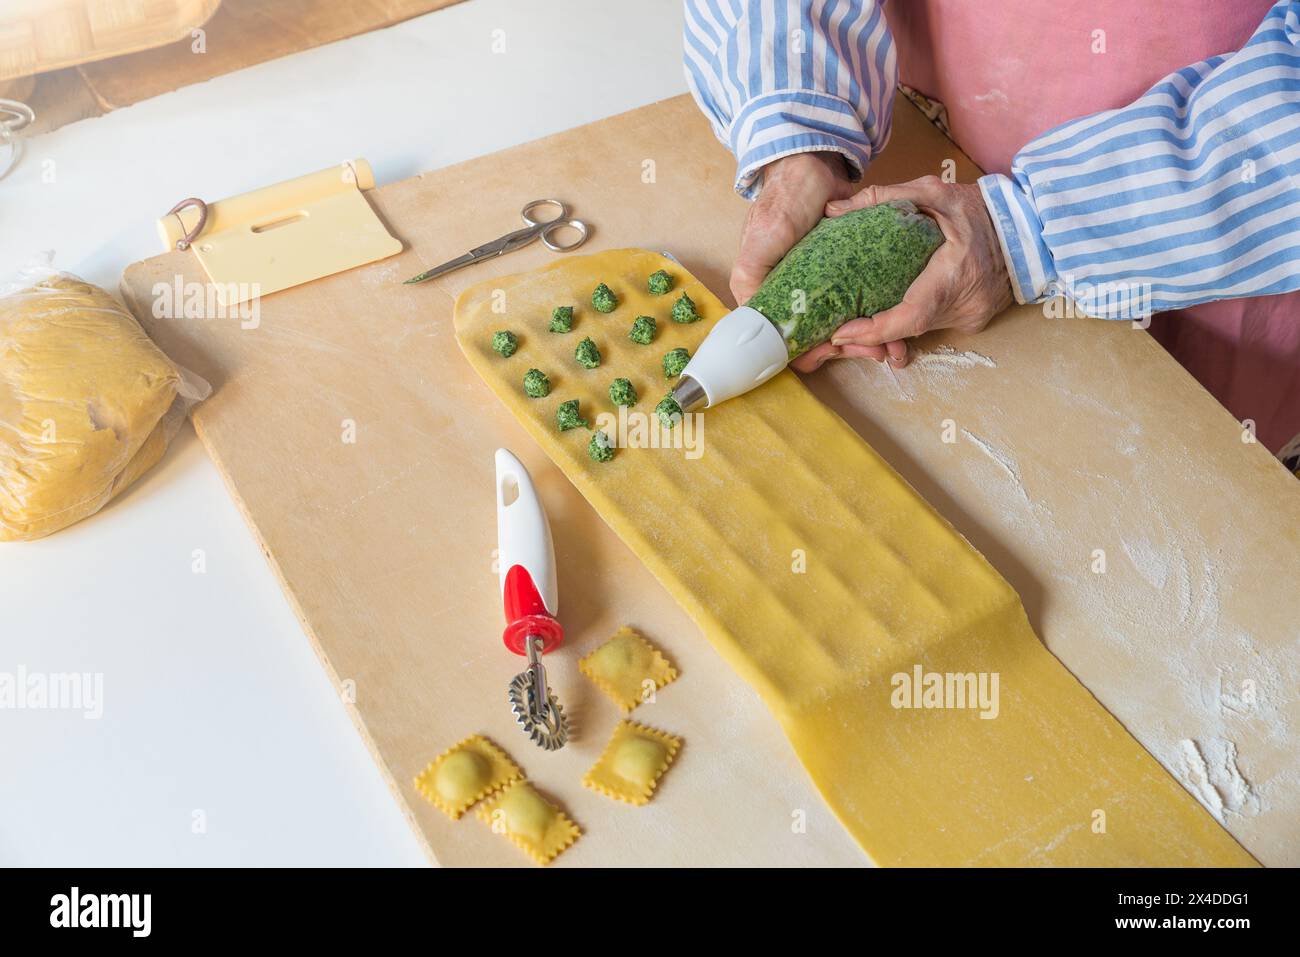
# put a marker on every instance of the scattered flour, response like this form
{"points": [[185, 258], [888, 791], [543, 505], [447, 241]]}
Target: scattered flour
{"points": [[935, 368], [1005, 461], [1152, 564], [1173, 664], [1217, 781], [946, 357], [380, 275]]}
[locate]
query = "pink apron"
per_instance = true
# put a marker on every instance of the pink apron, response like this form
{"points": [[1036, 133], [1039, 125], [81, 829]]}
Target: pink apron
{"points": [[1008, 70]]}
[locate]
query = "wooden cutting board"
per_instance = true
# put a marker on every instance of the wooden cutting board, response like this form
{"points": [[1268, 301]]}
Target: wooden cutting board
{"points": [[1070, 436]]}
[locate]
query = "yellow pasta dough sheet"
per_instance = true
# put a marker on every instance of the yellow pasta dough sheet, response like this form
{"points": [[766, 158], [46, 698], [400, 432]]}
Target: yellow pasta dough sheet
{"points": [[627, 668], [632, 763], [888, 593], [529, 821], [465, 774]]}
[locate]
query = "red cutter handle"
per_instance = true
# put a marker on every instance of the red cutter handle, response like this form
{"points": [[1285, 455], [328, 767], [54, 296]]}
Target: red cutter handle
{"points": [[526, 613]]}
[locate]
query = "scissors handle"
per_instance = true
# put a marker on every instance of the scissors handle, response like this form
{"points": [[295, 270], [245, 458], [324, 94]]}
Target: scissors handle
{"points": [[561, 220]]}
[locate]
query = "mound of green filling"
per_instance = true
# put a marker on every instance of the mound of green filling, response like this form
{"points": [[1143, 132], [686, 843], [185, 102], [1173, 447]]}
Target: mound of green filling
{"points": [[587, 354], [621, 392], [562, 319], [536, 384], [674, 362], [603, 299], [684, 310], [600, 448], [505, 343], [659, 283], [854, 265], [669, 412], [566, 416], [643, 330]]}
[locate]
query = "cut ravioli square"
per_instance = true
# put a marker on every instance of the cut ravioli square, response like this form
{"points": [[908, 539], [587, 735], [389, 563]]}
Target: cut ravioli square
{"points": [[627, 668], [532, 823], [633, 762], [463, 775]]}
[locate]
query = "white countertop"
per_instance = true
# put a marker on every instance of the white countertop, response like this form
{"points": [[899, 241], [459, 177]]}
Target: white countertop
{"points": [[221, 740]]}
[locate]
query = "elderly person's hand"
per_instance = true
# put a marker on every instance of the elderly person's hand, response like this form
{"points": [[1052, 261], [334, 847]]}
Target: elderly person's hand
{"points": [[796, 189], [964, 285]]}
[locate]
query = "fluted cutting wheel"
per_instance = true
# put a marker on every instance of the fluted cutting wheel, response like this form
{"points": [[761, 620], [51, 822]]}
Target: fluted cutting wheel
{"points": [[548, 729]]}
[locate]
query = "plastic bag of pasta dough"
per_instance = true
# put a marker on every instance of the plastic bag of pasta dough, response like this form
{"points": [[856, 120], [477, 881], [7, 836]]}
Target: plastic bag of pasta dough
{"points": [[87, 402]]}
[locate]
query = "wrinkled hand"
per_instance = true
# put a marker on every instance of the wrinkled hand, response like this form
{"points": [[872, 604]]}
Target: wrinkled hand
{"points": [[964, 285], [793, 200]]}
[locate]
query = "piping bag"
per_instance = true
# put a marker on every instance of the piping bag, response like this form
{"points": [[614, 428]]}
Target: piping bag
{"points": [[854, 265]]}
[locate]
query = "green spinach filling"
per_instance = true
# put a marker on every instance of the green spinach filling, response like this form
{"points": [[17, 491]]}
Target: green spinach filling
{"points": [[505, 343], [669, 412], [621, 392], [684, 310], [643, 330], [536, 385], [600, 448], [587, 354], [603, 299], [562, 319], [674, 362], [854, 265], [567, 417]]}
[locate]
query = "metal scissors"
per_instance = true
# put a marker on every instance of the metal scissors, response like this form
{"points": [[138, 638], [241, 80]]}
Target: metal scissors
{"points": [[508, 243]]}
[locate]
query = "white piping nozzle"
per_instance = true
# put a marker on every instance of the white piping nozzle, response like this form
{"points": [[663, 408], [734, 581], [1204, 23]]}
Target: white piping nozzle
{"points": [[741, 352]]}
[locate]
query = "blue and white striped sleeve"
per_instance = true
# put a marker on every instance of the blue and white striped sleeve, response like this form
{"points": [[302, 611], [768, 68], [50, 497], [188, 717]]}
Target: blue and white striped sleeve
{"points": [[777, 77], [1189, 195]]}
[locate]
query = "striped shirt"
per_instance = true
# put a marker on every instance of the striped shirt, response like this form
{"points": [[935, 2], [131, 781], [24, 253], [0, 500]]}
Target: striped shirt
{"points": [[1186, 196], [777, 77]]}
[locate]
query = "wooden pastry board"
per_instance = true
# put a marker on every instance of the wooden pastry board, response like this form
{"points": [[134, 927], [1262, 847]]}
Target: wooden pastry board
{"points": [[1084, 436]]}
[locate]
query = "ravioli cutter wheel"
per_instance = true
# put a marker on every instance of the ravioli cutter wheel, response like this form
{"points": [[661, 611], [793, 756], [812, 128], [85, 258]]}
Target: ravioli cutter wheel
{"points": [[530, 594]]}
